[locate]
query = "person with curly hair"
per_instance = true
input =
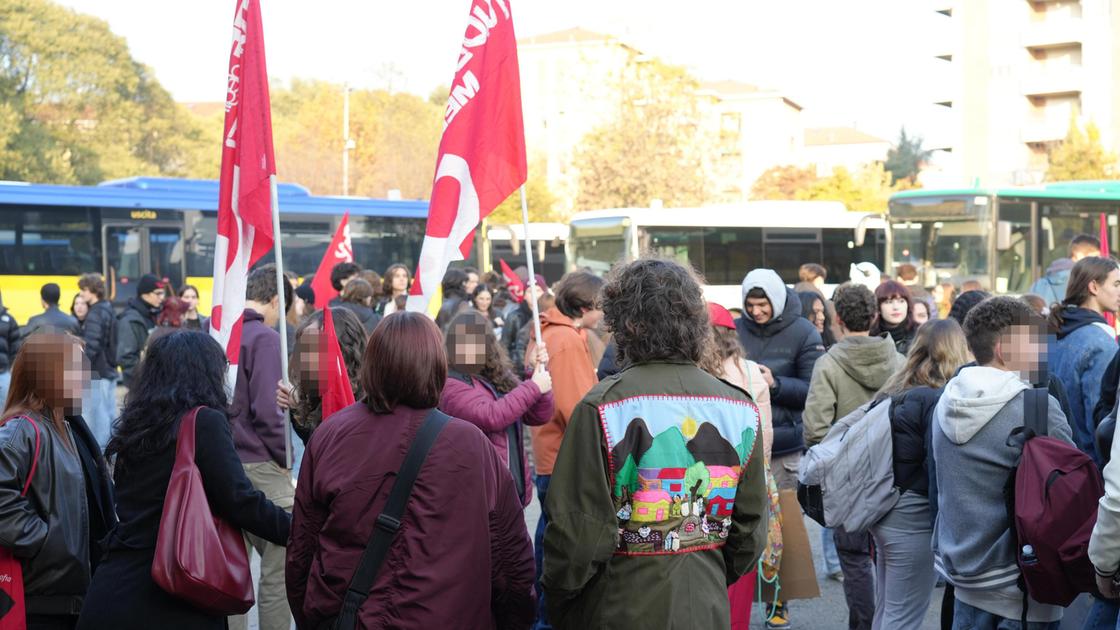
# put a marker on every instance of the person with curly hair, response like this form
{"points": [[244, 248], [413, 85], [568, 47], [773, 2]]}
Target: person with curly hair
{"points": [[659, 487], [482, 389], [303, 395]]}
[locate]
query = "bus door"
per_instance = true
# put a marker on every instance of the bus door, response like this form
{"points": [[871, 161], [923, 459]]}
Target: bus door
{"points": [[132, 250]]}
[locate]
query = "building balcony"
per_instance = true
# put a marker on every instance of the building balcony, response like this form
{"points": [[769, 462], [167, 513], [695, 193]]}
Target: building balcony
{"points": [[1058, 81], [1057, 31], [1044, 129]]}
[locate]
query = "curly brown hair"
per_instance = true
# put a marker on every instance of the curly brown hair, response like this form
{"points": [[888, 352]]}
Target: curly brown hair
{"points": [[351, 340], [497, 368], [725, 345], [656, 311]]}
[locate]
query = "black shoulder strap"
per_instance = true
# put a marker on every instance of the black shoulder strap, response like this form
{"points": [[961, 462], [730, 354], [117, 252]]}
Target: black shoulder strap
{"points": [[389, 521], [1036, 410]]}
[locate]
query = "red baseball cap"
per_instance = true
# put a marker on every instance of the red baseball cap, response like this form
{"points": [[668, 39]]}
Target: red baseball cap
{"points": [[720, 316]]}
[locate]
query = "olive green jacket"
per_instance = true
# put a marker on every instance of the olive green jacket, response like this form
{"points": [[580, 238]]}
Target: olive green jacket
{"points": [[656, 504]]}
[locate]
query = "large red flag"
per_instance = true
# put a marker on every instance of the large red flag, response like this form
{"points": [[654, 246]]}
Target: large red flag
{"points": [[481, 156], [334, 381], [248, 173], [516, 286], [339, 251]]}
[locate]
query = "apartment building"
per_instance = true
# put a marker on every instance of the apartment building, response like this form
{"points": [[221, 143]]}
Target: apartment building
{"points": [[829, 147], [1013, 74]]}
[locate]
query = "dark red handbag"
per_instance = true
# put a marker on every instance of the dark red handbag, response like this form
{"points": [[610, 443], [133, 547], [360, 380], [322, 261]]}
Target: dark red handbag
{"points": [[199, 557]]}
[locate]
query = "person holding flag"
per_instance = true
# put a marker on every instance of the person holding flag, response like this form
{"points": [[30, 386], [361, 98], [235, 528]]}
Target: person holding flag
{"points": [[324, 372]]}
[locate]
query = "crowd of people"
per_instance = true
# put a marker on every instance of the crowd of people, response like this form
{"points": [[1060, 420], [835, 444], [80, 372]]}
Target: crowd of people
{"points": [[662, 435]]}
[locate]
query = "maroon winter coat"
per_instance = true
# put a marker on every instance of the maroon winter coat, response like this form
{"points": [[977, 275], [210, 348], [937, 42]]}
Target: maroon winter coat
{"points": [[462, 558], [476, 401]]}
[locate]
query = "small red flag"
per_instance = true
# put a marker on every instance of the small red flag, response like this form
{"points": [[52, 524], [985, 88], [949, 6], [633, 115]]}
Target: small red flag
{"points": [[334, 381], [339, 251], [516, 286], [481, 157], [244, 232], [1108, 317]]}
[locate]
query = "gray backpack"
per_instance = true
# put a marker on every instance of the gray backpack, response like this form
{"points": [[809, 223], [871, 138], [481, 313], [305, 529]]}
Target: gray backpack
{"points": [[854, 469]]}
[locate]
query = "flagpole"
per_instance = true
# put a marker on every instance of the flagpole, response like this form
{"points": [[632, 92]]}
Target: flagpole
{"points": [[532, 272], [280, 280]]}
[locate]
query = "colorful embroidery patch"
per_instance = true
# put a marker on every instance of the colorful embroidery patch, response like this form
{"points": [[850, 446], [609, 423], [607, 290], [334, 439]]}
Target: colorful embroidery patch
{"points": [[675, 466]]}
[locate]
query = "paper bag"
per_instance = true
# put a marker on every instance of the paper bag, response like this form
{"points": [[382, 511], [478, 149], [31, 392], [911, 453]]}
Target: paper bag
{"points": [[797, 576]]}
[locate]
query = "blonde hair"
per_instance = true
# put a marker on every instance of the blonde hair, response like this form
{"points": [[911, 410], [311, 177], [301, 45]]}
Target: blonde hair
{"points": [[939, 350]]}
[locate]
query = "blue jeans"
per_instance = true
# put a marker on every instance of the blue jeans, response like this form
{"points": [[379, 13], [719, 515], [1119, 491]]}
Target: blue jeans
{"points": [[538, 552], [1102, 616], [297, 452], [966, 617], [828, 552], [99, 409], [5, 383]]}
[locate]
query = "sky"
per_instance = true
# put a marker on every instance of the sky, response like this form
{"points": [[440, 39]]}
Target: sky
{"points": [[862, 63]]}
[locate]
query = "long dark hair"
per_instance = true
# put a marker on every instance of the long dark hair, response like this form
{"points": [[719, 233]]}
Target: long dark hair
{"points": [[180, 371], [1087, 270], [351, 341], [496, 368], [808, 298], [387, 280]]}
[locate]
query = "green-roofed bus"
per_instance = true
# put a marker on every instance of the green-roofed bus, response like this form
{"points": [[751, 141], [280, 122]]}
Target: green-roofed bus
{"points": [[1004, 238]]}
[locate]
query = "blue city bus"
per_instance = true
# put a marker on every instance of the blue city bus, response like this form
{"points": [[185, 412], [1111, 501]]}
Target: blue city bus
{"points": [[129, 227]]}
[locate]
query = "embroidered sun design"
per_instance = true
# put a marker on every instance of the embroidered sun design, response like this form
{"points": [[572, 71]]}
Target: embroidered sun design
{"points": [[689, 428]]}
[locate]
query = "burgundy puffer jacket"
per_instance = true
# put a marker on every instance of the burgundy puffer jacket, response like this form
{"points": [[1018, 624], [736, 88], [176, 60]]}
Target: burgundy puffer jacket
{"points": [[462, 557], [475, 400]]}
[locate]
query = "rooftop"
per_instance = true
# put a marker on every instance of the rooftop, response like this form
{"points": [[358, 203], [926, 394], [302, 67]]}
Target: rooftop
{"points": [[839, 135]]}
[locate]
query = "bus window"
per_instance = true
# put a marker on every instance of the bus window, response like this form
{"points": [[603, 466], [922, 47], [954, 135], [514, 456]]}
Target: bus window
{"points": [[597, 244], [122, 261], [54, 241], [1060, 222], [1013, 248], [839, 252], [200, 230], [383, 241], [786, 249], [730, 253], [303, 245], [682, 244], [165, 248]]}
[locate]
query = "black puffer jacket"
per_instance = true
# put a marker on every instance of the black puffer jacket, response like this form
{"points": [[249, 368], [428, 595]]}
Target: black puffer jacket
{"points": [[99, 333], [9, 339], [135, 324], [789, 345], [910, 413]]}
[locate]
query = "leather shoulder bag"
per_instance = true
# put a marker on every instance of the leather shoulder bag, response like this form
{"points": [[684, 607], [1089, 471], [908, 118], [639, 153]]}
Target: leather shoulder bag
{"points": [[200, 557]]}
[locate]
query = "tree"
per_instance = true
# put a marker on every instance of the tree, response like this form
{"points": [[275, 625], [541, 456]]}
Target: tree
{"points": [[75, 107], [1081, 156], [906, 158], [650, 150], [866, 191], [783, 182]]}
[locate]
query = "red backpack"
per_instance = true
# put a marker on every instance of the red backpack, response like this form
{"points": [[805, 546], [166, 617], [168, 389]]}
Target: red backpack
{"points": [[1052, 495]]}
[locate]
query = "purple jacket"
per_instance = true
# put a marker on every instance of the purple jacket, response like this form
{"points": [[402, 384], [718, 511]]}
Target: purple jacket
{"points": [[258, 422], [462, 557], [476, 401]]}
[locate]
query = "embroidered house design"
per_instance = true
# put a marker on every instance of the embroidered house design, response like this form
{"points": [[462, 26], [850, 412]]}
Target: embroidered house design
{"points": [[677, 460]]}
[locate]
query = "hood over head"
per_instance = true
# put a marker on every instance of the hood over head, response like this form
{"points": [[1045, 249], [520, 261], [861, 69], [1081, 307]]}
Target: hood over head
{"points": [[973, 398], [869, 361], [772, 285], [1059, 265]]}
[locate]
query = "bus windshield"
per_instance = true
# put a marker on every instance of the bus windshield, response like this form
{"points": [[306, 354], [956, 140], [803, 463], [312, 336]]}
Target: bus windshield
{"points": [[947, 240], [597, 244]]}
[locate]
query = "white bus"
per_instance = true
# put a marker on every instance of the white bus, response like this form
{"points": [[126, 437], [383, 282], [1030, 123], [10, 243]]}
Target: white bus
{"points": [[724, 242]]}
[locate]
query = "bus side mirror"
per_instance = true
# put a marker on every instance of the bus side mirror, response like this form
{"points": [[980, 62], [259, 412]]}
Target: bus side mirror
{"points": [[1003, 235], [861, 230]]}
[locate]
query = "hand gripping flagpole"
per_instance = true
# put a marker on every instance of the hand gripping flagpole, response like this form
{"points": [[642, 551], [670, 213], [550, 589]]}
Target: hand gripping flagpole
{"points": [[529, 294], [280, 280]]}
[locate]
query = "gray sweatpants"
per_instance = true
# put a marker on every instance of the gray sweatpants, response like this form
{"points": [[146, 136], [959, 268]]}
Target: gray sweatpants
{"points": [[904, 576]]}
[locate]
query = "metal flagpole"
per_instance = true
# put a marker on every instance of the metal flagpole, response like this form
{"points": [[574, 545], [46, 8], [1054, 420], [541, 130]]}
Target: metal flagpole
{"points": [[280, 280], [532, 273]]}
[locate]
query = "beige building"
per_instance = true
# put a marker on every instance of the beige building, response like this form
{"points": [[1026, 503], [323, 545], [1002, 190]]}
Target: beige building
{"points": [[570, 86], [829, 147], [1015, 72]]}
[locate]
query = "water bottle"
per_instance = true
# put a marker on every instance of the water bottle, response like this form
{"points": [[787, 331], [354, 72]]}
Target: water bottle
{"points": [[1028, 556]]}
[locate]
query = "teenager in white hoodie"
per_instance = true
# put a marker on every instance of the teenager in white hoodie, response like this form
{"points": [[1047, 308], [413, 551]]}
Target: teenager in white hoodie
{"points": [[972, 542]]}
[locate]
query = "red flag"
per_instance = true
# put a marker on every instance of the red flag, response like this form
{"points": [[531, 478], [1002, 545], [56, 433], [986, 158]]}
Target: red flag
{"points": [[334, 381], [481, 156], [248, 173], [516, 286], [1108, 317], [339, 251]]}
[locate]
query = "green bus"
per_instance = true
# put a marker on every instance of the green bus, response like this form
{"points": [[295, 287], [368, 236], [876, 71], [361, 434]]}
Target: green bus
{"points": [[1004, 238]]}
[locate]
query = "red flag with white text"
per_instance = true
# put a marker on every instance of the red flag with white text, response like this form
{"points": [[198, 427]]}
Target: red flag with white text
{"points": [[334, 381], [516, 285], [481, 157], [339, 251], [247, 177]]}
